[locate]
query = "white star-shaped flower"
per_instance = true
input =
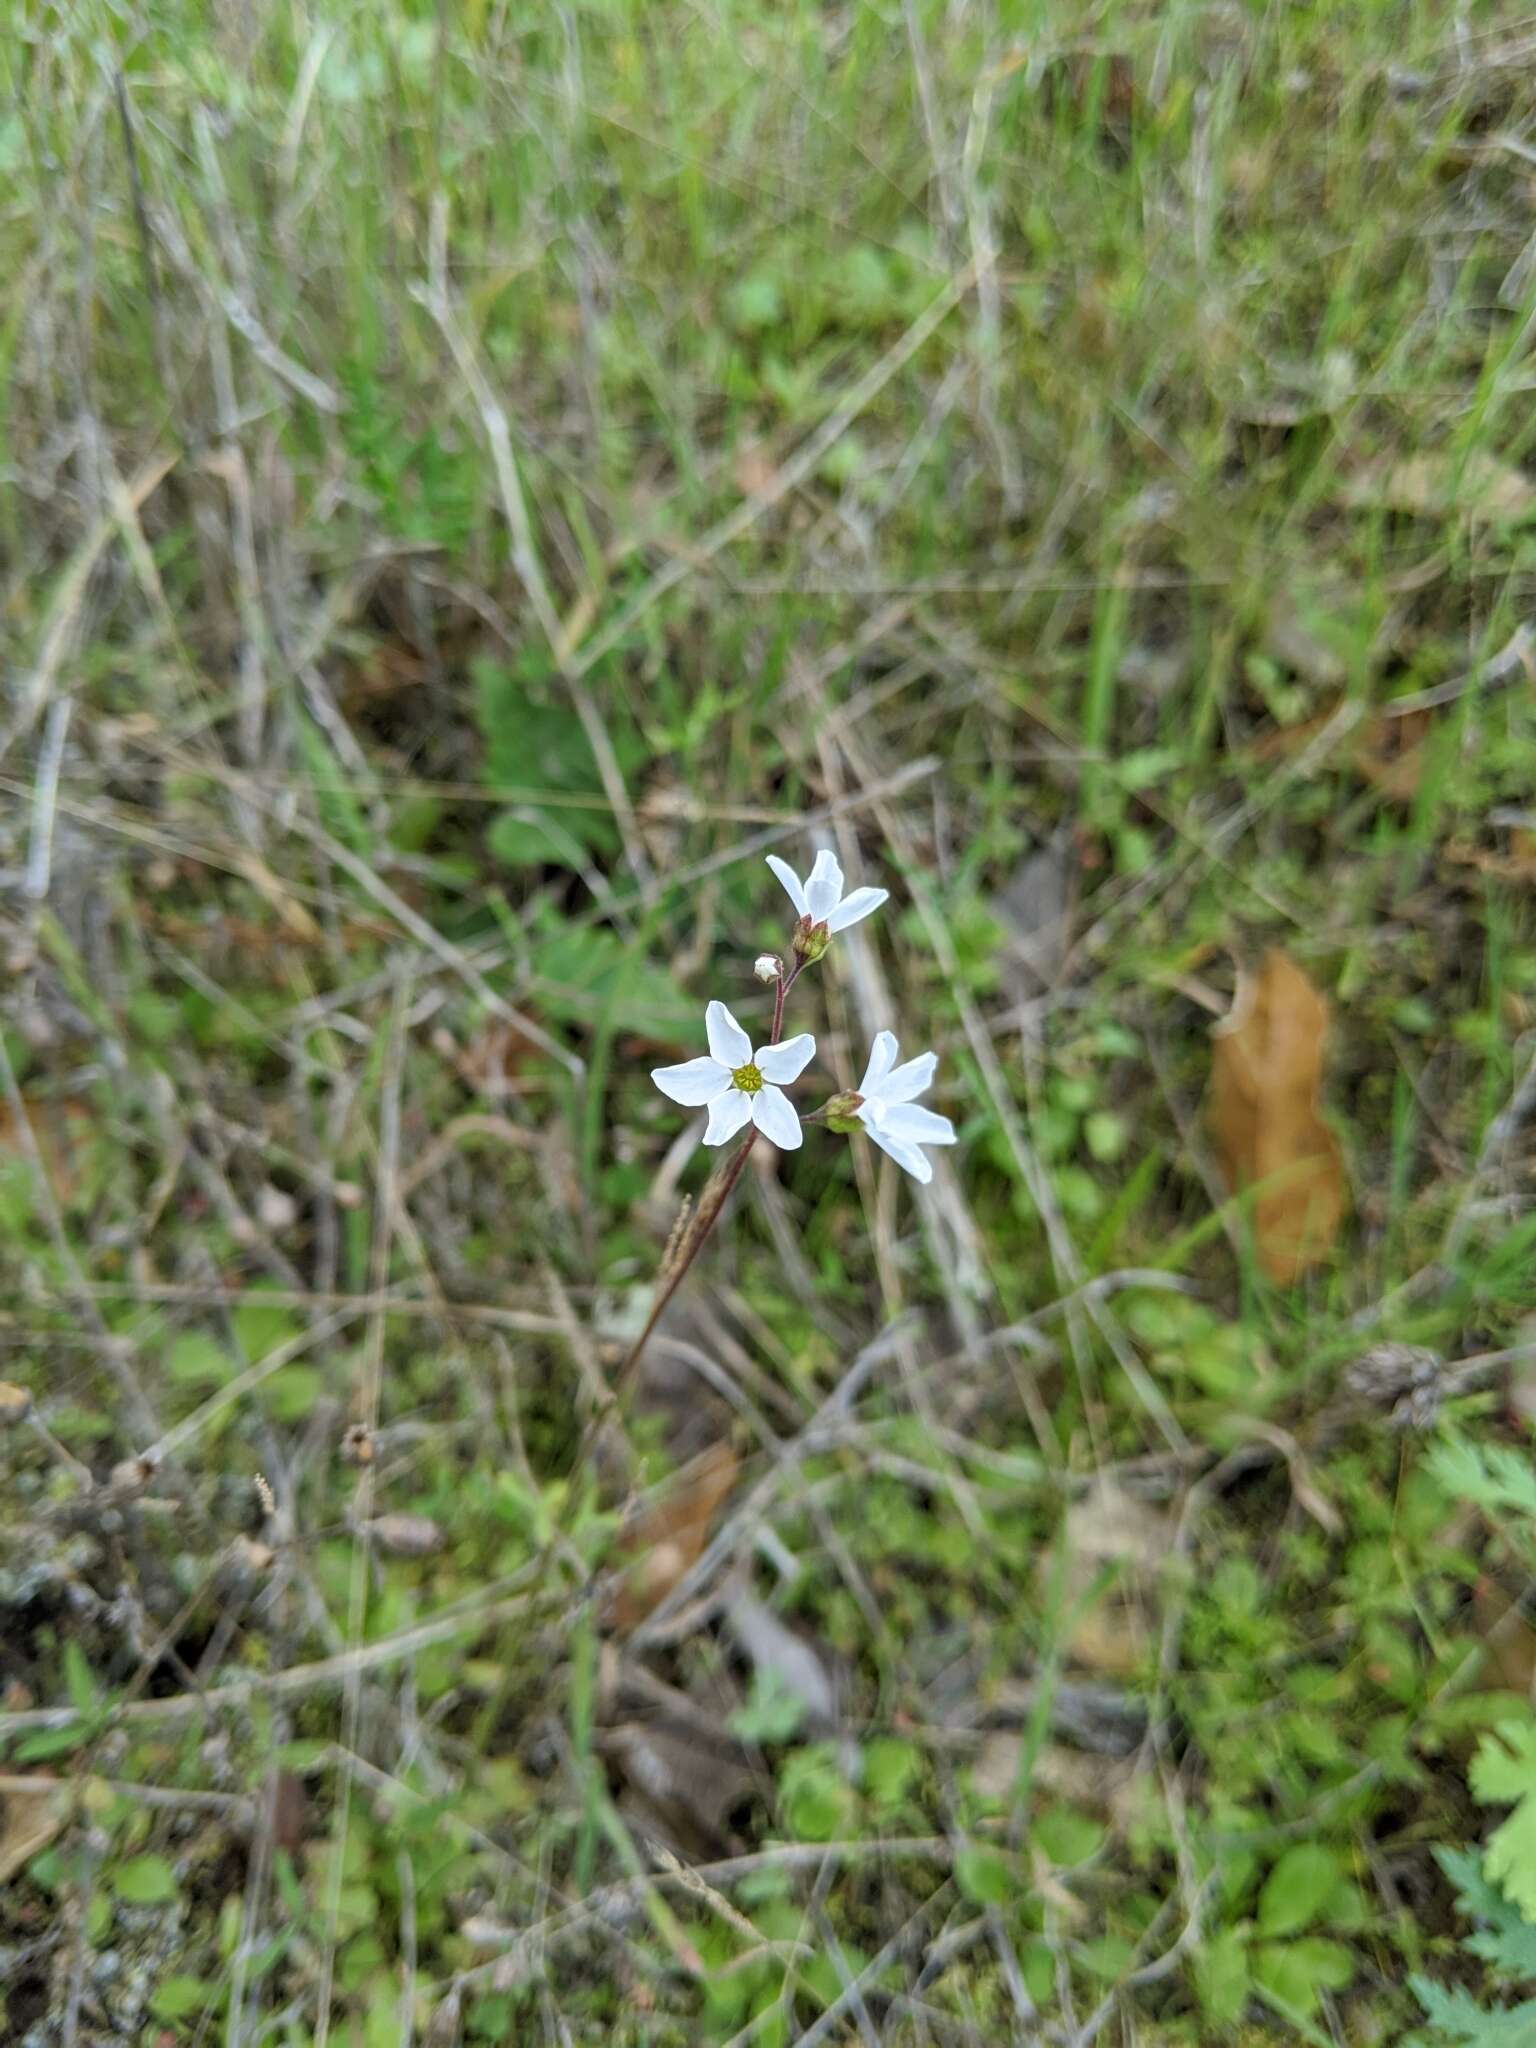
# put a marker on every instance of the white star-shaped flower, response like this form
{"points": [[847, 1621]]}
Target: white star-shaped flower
{"points": [[895, 1122], [820, 896], [741, 1086]]}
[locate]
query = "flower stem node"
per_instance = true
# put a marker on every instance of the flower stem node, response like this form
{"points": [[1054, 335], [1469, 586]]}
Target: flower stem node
{"points": [[768, 967]]}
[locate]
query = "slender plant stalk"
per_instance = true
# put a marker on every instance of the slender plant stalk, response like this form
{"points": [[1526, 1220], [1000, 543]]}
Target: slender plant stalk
{"points": [[715, 1198]]}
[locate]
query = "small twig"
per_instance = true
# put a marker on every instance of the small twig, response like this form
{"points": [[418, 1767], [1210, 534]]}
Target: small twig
{"points": [[705, 1217]]}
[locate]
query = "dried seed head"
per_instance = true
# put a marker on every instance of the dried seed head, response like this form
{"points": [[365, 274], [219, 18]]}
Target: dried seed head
{"points": [[248, 1558], [265, 1495], [357, 1446], [132, 1475], [15, 1402], [1389, 1370]]}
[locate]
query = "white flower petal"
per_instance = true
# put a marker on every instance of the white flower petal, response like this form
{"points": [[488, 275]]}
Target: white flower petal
{"points": [[912, 1079], [774, 1115], [728, 1113], [853, 907], [910, 1122], [791, 881], [729, 1044], [908, 1157], [693, 1083], [824, 886], [787, 1062], [882, 1057]]}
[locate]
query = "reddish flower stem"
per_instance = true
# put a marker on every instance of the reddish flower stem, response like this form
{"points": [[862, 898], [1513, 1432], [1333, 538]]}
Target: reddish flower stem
{"points": [[715, 1199]]}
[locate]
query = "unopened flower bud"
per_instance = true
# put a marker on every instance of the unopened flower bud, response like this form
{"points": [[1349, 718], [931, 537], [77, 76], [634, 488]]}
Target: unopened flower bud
{"points": [[842, 1112], [768, 967]]}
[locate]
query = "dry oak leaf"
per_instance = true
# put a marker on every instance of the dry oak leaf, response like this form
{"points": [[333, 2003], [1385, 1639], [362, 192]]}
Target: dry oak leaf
{"points": [[32, 1811], [1386, 749], [667, 1537], [1266, 1074]]}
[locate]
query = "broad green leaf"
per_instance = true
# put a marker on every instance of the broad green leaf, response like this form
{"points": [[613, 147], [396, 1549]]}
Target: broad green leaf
{"points": [[261, 1326], [816, 1798], [1067, 1836], [985, 1876], [79, 1681], [891, 1767], [1221, 1975], [178, 1997], [1297, 1889], [292, 1391], [144, 1881], [1502, 1775], [1298, 1972], [194, 1359]]}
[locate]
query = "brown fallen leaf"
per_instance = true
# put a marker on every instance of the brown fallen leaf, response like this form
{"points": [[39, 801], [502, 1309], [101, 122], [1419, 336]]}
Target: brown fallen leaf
{"points": [[286, 1812], [668, 1536], [1385, 750], [1517, 863], [32, 1810], [1509, 1641], [61, 1127], [681, 1784], [1266, 1074]]}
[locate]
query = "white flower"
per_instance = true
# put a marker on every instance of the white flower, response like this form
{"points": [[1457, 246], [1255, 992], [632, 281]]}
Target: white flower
{"points": [[740, 1085], [768, 967], [888, 1112], [820, 897]]}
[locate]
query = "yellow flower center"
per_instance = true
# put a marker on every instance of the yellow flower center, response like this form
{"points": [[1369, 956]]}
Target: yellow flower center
{"points": [[747, 1079]]}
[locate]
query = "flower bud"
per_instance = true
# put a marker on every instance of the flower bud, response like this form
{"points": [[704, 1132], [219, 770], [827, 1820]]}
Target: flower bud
{"points": [[768, 967], [841, 1112]]}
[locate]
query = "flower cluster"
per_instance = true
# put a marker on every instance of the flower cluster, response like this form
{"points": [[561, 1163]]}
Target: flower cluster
{"points": [[742, 1086]]}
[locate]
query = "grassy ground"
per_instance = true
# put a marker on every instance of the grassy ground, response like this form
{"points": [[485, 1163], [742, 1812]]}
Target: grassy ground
{"points": [[474, 481]]}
